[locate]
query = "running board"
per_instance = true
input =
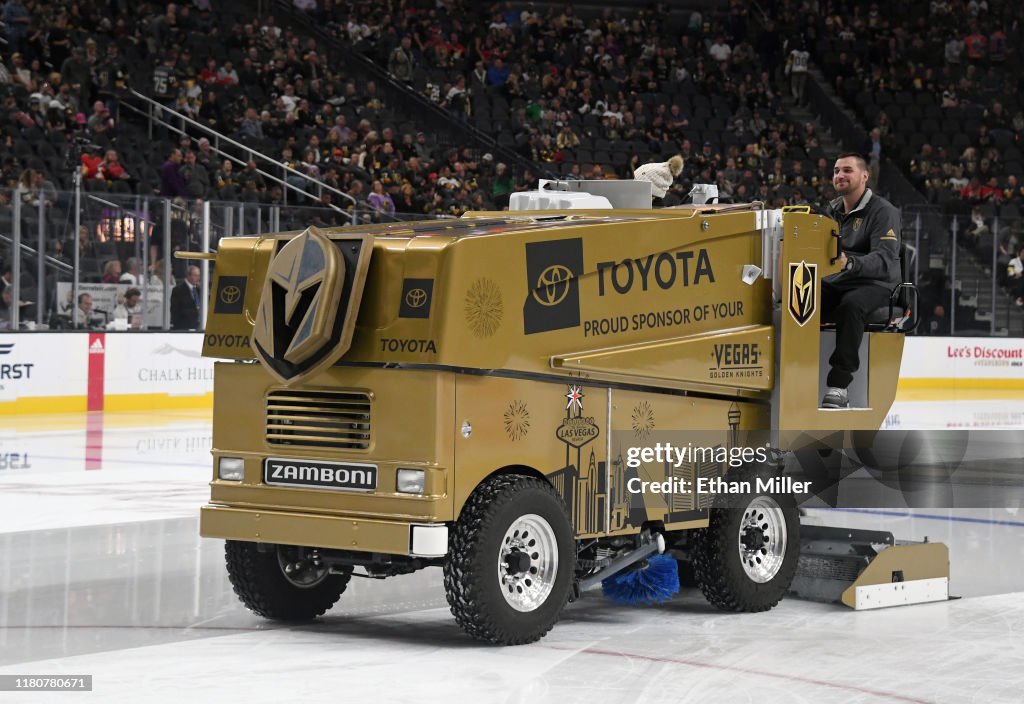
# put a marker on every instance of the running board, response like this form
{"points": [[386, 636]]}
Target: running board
{"points": [[868, 569]]}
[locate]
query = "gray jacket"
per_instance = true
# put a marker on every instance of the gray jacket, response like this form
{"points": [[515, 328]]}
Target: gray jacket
{"points": [[871, 239]]}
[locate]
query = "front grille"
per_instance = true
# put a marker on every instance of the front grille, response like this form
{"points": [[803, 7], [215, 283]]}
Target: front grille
{"points": [[306, 418]]}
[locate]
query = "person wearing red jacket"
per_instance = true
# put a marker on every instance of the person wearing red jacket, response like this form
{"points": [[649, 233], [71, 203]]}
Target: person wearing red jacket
{"points": [[91, 166], [991, 191], [111, 169]]}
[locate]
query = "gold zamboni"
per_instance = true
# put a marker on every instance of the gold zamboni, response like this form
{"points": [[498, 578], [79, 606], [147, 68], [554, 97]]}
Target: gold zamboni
{"points": [[476, 394]]}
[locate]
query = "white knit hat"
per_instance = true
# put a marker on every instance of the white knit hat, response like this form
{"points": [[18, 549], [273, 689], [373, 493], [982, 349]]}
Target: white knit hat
{"points": [[660, 174]]}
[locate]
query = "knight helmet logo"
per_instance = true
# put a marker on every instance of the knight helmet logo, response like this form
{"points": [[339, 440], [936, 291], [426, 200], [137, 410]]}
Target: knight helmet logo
{"points": [[299, 307], [803, 291]]}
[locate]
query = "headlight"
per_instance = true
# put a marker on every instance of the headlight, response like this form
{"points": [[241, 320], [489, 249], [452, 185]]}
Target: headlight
{"points": [[231, 469], [410, 481]]}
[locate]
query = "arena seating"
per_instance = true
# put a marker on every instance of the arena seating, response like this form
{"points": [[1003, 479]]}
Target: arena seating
{"points": [[559, 106], [578, 92]]}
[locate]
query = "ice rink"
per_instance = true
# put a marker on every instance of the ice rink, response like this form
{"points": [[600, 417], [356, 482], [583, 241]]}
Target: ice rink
{"points": [[102, 572]]}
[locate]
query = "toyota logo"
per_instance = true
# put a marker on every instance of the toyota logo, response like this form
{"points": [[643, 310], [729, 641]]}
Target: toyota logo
{"points": [[230, 294], [415, 298], [552, 285]]}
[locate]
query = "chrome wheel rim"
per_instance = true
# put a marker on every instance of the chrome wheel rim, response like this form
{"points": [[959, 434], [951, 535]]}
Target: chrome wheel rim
{"points": [[527, 562], [762, 539], [301, 568]]}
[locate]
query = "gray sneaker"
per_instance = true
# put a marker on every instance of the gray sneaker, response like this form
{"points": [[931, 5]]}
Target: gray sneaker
{"points": [[835, 398]]}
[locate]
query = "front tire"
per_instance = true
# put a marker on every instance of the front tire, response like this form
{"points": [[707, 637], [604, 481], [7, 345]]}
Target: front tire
{"points": [[747, 557], [283, 582], [510, 562]]}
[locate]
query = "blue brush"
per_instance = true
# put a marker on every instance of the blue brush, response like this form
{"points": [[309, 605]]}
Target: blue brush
{"points": [[652, 581]]}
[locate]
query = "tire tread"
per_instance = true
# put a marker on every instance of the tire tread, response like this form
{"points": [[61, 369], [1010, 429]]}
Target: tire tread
{"points": [[462, 581], [257, 581], [714, 546]]}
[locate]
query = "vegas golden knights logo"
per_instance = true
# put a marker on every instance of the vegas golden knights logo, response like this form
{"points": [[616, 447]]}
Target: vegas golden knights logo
{"points": [[297, 319], [803, 291]]}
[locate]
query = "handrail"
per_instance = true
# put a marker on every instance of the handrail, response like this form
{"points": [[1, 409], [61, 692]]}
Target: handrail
{"points": [[760, 10], [253, 153], [121, 206], [111, 204], [52, 261], [103, 201]]}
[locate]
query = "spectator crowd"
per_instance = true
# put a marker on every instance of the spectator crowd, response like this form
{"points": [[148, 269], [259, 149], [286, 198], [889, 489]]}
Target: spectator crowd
{"points": [[581, 97], [939, 84], [581, 93], [596, 96]]}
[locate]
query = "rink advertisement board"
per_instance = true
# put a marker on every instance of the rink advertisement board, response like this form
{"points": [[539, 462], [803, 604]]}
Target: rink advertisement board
{"points": [[69, 372], [968, 362], [72, 372], [167, 368], [40, 372]]}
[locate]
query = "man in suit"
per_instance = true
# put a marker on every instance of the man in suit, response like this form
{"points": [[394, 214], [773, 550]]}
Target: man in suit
{"points": [[185, 302]]}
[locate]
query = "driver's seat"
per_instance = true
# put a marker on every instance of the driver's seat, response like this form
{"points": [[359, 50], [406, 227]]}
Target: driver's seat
{"points": [[901, 315]]}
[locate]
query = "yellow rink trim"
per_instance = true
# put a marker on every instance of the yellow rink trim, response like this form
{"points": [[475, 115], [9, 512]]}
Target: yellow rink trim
{"points": [[118, 402], [945, 389], [44, 404], [147, 402], [953, 383], [38, 422]]}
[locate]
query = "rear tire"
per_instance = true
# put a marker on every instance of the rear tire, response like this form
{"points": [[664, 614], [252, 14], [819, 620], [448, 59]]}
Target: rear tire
{"points": [[747, 557], [511, 559], [282, 583]]}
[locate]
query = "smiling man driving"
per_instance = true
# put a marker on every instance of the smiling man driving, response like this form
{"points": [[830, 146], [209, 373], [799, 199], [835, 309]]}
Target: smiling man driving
{"points": [[869, 227]]}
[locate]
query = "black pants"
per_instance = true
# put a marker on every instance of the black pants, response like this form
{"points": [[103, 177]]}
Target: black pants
{"points": [[849, 309]]}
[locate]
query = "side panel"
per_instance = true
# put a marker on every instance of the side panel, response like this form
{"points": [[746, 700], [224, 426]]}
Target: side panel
{"points": [[739, 358], [700, 431], [562, 430], [235, 296], [559, 429], [513, 301]]}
